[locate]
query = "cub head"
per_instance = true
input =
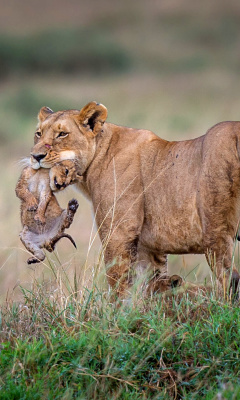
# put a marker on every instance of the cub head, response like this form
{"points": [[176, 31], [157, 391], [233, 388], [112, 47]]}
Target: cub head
{"points": [[67, 135], [62, 174]]}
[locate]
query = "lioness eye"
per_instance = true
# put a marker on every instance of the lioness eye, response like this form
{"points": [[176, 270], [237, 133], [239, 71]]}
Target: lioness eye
{"points": [[38, 134], [66, 171], [62, 134]]}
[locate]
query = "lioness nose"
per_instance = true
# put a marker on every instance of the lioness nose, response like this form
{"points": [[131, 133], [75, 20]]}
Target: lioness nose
{"points": [[38, 157]]}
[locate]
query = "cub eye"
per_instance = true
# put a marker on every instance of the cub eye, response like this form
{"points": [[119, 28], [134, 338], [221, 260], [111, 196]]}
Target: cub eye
{"points": [[62, 134], [38, 134], [66, 171]]}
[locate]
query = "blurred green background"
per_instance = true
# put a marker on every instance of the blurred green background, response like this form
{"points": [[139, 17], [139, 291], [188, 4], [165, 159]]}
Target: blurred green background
{"points": [[171, 66]]}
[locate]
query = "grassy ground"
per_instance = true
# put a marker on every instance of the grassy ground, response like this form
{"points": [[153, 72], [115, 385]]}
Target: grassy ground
{"points": [[68, 342]]}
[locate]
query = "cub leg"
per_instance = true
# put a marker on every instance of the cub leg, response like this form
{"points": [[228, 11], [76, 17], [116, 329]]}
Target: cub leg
{"points": [[42, 206], [65, 222], [23, 192], [68, 214], [28, 240]]}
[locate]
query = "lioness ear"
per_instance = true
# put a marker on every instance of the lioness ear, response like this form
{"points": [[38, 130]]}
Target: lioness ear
{"points": [[44, 113], [93, 116]]}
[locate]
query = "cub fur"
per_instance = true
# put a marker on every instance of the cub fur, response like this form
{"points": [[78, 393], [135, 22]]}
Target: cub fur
{"points": [[43, 220], [151, 197]]}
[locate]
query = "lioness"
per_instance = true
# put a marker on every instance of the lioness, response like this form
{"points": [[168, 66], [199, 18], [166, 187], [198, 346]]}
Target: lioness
{"points": [[43, 220], [151, 197]]}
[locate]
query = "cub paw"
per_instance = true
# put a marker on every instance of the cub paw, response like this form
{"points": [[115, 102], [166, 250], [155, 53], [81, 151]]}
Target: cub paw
{"points": [[37, 259], [33, 260], [73, 205], [32, 206]]}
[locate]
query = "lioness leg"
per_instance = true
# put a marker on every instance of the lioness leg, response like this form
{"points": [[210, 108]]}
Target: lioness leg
{"points": [[220, 260], [118, 271], [118, 276], [119, 258]]}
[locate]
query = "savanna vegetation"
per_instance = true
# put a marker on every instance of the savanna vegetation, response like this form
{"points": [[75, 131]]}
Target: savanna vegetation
{"points": [[171, 67], [64, 341]]}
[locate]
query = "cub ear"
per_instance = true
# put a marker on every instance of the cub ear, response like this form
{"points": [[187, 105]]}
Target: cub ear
{"points": [[44, 113], [92, 117]]}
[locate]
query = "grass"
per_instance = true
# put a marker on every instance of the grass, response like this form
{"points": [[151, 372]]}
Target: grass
{"points": [[67, 341]]}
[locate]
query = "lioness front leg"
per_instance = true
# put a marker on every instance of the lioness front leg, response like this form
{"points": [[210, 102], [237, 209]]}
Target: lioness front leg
{"points": [[118, 275], [119, 261]]}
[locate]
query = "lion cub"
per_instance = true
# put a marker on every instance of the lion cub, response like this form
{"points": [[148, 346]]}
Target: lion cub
{"points": [[43, 220]]}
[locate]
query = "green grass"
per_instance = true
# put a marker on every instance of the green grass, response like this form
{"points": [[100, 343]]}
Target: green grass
{"points": [[81, 345]]}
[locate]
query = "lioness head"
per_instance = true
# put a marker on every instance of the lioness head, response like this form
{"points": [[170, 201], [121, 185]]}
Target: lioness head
{"points": [[67, 135]]}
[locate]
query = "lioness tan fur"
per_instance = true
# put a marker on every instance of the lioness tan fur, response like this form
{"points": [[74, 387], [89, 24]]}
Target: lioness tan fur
{"points": [[151, 197], [43, 220]]}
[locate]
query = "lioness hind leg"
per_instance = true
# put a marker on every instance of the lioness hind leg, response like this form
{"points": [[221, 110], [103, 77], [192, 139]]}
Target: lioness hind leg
{"points": [[220, 261]]}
